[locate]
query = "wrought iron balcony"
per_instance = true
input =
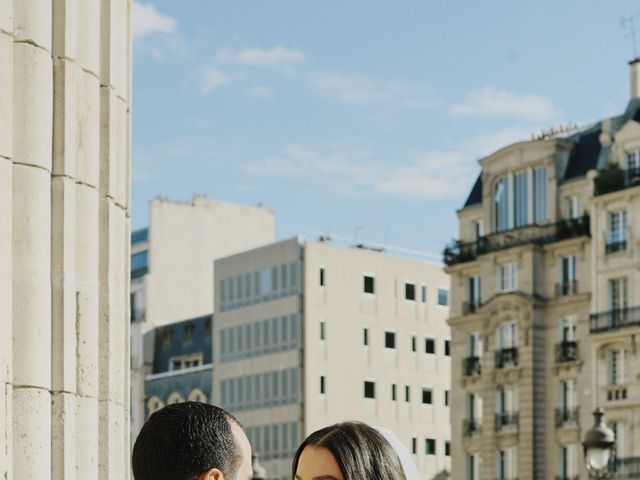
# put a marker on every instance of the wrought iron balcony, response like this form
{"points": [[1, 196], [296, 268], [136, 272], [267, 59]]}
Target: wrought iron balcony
{"points": [[565, 289], [566, 416], [613, 178], [471, 427], [615, 243], [626, 467], [566, 351], [470, 307], [461, 252], [615, 319], [507, 357], [506, 421], [472, 366]]}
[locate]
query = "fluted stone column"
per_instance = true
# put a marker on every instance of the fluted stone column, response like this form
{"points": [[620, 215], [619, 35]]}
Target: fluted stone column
{"points": [[65, 93]]}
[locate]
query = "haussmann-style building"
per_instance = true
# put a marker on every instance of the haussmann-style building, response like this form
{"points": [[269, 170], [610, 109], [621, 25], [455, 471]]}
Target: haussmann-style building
{"points": [[545, 312]]}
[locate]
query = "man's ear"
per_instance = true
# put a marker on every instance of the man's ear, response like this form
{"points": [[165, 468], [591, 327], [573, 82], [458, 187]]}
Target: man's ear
{"points": [[213, 474]]}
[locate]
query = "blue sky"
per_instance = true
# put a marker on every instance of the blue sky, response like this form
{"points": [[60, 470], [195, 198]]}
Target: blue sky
{"points": [[359, 117]]}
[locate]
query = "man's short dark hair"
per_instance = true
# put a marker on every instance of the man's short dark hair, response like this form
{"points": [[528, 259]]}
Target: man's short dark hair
{"points": [[183, 440]]}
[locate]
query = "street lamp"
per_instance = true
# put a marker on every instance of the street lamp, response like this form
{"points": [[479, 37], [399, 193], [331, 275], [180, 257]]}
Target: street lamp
{"points": [[259, 472], [599, 447]]}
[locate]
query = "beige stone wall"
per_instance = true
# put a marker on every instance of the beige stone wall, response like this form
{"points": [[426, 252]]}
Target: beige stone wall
{"points": [[64, 229]]}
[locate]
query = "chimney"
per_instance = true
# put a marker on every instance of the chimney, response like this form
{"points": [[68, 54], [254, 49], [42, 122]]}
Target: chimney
{"points": [[635, 77]]}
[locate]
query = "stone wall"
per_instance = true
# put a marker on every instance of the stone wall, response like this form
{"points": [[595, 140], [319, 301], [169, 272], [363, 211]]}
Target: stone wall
{"points": [[64, 232]]}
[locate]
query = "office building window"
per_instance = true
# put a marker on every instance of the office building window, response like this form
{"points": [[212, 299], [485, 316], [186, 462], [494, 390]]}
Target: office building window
{"points": [[322, 279], [369, 389], [443, 297], [447, 344], [423, 290], [322, 331], [446, 398], [540, 211], [407, 393], [507, 277], [389, 340], [265, 281], [414, 445], [369, 284], [521, 199], [429, 345], [430, 446], [394, 395], [501, 205], [410, 291], [427, 396], [189, 330], [365, 337], [322, 385], [413, 343], [284, 276], [447, 449]]}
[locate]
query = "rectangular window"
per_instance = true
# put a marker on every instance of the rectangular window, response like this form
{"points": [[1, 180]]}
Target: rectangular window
{"points": [[407, 393], [447, 449], [322, 276], [633, 160], [365, 337], [294, 274], [568, 272], [501, 205], [446, 398], [369, 389], [223, 291], [322, 331], [283, 276], [474, 346], [443, 297], [447, 344], [427, 396], [410, 291], [369, 284], [394, 395], [239, 291], [389, 340], [617, 367], [474, 292], [274, 278], [322, 391], [618, 295], [507, 277], [423, 290], [414, 445], [247, 284], [572, 207], [256, 283], [540, 210], [413, 343], [231, 290], [265, 281], [429, 345], [521, 199], [430, 446], [507, 335]]}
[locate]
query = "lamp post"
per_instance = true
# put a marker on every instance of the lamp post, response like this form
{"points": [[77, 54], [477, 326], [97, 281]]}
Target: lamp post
{"points": [[599, 448], [259, 472]]}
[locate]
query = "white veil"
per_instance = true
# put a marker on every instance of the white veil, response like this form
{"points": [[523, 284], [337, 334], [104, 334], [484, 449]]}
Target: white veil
{"points": [[411, 471]]}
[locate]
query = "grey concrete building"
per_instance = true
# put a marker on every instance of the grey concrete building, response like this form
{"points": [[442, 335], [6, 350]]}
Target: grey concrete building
{"points": [[310, 333]]}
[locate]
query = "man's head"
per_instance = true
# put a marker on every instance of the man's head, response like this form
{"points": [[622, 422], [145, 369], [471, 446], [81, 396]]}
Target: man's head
{"points": [[191, 441]]}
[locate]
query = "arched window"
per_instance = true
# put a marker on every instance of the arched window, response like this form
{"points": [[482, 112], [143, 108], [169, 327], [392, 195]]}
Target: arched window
{"points": [[197, 395], [154, 404], [175, 397]]}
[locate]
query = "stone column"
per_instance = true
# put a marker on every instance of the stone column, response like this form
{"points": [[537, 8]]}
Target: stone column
{"points": [[65, 93]]}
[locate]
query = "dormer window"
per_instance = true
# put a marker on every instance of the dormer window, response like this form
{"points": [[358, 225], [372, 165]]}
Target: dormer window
{"points": [[520, 199]]}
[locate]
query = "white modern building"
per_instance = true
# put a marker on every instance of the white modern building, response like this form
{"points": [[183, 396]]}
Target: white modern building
{"points": [[309, 334]]}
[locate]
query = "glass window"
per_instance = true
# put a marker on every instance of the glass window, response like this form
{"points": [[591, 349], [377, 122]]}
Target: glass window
{"points": [[447, 449], [247, 285], [430, 446], [540, 211], [256, 283], [369, 389], [423, 290], [521, 199], [365, 336], [369, 284], [274, 278], [283, 276], [284, 330], [429, 345], [294, 274], [414, 445], [446, 398], [322, 331], [501, 205], [265, 281], [447, 346], [407, 393], [322, 276], [322, 391], [293, 319], [389, 340], [427, 396], [443, 297], [507, 278], [410, 291], [393, 392], [223, 291], [413, 343]]}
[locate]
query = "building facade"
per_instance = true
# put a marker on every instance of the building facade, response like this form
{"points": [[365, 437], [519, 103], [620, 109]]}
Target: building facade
{"points": [[65, 91], [545, 303], [310, 334], [172, 263]]}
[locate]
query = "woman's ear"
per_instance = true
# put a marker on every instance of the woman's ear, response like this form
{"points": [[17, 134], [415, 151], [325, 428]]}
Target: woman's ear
{"points": [[212, 474]]}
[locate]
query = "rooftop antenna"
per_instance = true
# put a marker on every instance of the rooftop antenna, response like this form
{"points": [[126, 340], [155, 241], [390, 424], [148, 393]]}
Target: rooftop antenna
{"points": [[629, 24]]}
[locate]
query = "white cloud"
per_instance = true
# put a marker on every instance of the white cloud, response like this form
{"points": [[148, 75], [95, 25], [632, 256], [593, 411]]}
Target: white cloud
{"points": [[426, 176], [485, 144], [147, 20], [212, 79], [360, 90], [492, 102], [261, 91], [260, 57]]}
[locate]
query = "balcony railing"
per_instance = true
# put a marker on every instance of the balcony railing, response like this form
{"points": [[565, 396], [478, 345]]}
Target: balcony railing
{"points": [[461, 252], [507, 357], [616, 392], [615, 319], [566, 416], [613, 246], [566, 351], [470, 307], [472, 366], [471, 427], [506, 421], [565, 289], [613, 178], [626, 467]]}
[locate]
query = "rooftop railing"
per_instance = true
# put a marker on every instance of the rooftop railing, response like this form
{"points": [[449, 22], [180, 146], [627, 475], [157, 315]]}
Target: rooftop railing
{"points": [[461, 252]]}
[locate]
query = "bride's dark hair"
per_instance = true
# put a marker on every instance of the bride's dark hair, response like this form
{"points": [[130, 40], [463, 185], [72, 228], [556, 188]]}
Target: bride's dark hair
{"points": [[361, 452]]}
